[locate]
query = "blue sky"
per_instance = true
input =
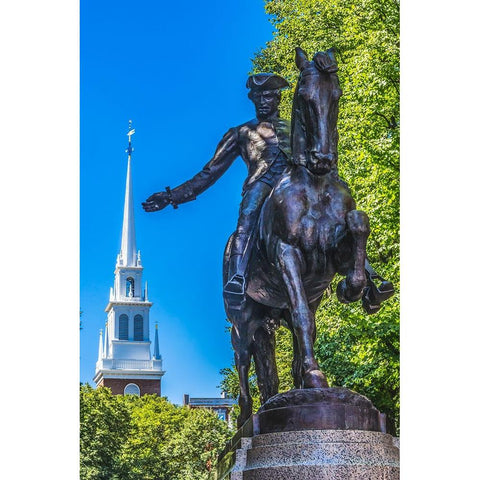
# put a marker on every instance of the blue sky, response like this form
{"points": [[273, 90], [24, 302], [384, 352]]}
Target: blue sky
{"points": [[178, 71]]}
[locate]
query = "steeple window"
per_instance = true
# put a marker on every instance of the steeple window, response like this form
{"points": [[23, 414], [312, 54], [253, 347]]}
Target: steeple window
{"points": [[130, 287], [138, 328], [123, 327], [131, 389]]}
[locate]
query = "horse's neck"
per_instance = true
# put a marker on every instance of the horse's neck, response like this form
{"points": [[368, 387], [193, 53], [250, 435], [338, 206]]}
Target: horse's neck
{"points": [[298, 142]]}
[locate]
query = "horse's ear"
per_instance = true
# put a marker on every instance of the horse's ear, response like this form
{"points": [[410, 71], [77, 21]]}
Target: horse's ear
{"points": [[301, 59], [325, 61], [331, 53]]}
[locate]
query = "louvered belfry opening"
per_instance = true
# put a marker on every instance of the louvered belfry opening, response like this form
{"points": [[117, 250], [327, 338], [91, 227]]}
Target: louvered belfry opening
{"points": [[138, 328], [123, 327]]}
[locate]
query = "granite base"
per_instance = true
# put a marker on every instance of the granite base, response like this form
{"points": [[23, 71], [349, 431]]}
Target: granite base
{"points": [[312, 434], [315, 455]]}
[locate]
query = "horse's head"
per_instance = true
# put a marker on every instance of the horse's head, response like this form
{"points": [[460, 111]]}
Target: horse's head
{"points": [[315, 112]]}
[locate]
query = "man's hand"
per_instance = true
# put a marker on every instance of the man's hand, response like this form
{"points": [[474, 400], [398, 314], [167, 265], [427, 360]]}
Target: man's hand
{"points": [[157, 201]]}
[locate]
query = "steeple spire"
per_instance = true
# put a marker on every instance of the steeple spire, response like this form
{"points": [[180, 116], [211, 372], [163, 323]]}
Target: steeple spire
{"points": [[128, 253]]}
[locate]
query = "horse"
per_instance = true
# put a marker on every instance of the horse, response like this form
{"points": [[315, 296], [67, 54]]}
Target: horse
{"points": [[309, 230]]}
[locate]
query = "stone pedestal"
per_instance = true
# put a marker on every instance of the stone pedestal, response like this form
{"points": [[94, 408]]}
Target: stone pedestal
{"points": [[322, 455], [321, 434], [312, 455]]}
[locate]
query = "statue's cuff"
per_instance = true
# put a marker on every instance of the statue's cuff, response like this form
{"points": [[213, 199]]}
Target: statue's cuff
{"points": [[170, 198], [182, 194]]}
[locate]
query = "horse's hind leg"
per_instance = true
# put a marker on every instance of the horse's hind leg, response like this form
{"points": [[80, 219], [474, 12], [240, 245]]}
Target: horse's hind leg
{"points": [[242, 347], [265, 363], [290, 262], [351, 288]]}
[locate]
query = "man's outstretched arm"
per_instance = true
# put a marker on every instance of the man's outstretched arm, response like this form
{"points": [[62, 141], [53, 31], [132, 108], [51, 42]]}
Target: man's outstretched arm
{"points": [[227, 151]]}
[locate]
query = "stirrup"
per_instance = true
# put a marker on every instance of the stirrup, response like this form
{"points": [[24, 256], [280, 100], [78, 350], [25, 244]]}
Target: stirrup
{"points": [[235, 286], [373, 296], [369, 304], [381, 293]]}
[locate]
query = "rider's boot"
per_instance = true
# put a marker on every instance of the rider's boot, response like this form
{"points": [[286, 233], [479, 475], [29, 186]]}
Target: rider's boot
{"points": [[236, 282], [375, 294], [236, 268]]}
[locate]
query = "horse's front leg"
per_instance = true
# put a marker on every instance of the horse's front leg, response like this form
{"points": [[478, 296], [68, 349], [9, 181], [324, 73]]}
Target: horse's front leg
{"points": [[350, 289], [290, 262], [242, 353], [296, 361]]}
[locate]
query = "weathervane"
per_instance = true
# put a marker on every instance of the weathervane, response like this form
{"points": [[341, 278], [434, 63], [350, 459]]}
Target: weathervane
{"points": [[131, 131]]}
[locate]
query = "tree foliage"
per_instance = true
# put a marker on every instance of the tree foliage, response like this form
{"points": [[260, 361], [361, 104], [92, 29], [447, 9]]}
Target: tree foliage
{"points": [[146, 438], [355, 350], [196, 447], [104, 428]]}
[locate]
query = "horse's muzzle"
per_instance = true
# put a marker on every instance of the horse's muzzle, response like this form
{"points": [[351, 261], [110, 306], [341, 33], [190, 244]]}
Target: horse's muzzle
{"points": [[320, 163], [322, 157]]}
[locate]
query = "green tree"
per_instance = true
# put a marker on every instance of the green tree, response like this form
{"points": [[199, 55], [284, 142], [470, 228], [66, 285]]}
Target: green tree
{"points": [[154, 423], [146, 438], [104, 428], [357, 351], [196, 446]]}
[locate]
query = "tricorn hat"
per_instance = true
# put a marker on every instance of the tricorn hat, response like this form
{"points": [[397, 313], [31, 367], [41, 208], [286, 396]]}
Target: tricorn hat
{"points": [[266, 81]]}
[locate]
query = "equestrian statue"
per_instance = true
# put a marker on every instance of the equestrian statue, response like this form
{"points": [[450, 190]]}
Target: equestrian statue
{"points": [[298, 226]]}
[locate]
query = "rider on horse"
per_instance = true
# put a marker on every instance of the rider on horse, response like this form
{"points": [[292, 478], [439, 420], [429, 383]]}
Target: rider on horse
{"points": [[264, 145]]}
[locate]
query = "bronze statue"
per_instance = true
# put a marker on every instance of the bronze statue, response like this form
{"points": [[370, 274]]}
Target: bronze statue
{"points": [[298, 226]]}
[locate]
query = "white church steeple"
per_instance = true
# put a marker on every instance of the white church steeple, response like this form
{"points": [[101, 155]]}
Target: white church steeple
{"points": [[128, 253], [125, 363]]}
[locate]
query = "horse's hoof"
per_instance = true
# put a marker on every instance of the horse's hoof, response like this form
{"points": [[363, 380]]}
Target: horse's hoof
{"points": [[315, 379], [241, 420], [348, 293], [245, 405]]}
